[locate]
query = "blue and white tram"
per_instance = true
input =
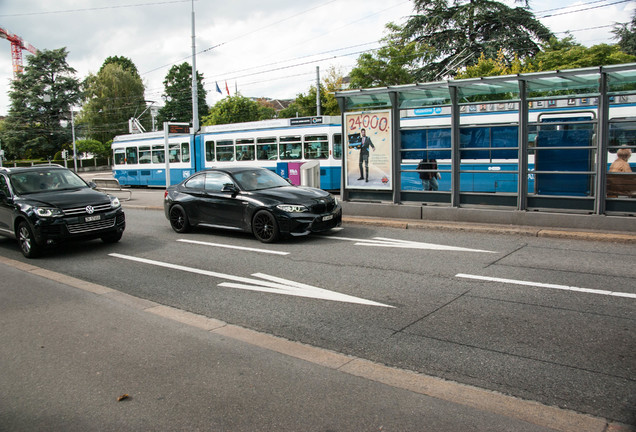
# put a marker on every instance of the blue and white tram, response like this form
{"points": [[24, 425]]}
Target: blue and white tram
{"points": [[562, 142], [281, 145], [561, 137]]}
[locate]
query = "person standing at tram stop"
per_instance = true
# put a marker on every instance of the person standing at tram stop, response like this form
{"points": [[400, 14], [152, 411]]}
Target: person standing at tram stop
{"points": [[365, 143], [429, 178], [621, 164]]}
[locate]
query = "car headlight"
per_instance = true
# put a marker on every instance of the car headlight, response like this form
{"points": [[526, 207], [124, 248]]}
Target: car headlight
{"points": [[48, 211], [114, 202], [291, 208]]}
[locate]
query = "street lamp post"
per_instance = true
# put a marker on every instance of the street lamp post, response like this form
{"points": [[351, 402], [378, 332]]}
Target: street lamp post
{"points": [[74, 147]]}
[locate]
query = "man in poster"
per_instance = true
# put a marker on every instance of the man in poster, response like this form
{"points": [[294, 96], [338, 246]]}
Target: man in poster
{"points": [[365, 143]]}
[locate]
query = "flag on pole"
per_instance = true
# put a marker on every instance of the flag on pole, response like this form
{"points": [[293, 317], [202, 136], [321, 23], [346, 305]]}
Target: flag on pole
{"points": [[217, 88], [227, 88]]}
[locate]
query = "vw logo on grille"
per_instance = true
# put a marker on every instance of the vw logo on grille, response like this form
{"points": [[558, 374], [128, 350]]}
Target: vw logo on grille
{"points": [[90, 209]]}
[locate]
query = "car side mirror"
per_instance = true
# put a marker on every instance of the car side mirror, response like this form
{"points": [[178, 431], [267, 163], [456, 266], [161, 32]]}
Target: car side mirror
{"points": [[92, 184], [230, 187]]}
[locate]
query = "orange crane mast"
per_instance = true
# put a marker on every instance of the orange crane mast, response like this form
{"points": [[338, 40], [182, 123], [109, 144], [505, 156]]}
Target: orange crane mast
{"points": [[17, 45]]}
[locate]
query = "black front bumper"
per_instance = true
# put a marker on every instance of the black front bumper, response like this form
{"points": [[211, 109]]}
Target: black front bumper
{"points": [[305, 223], [56, 230]]}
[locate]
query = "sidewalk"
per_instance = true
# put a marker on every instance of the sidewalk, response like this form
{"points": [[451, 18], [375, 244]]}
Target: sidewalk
{"points": [[72, 349]]}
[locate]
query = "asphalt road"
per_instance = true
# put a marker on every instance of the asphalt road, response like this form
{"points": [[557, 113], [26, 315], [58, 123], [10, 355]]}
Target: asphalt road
{"points": [[547, 320]]}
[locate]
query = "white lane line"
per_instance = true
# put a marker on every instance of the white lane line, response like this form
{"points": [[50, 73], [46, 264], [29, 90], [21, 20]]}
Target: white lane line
{"points": [[233, 247], [266, 283], [547, 285], [405, 244]]}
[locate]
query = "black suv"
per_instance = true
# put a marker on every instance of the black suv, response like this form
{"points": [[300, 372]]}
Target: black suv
{"points": [[46, 204]]}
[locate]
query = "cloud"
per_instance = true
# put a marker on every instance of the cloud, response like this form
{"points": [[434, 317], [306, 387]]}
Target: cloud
{"points": [[265, 48]]}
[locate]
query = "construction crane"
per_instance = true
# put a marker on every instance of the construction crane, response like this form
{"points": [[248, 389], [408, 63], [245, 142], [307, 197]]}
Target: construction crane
{"points": [[17, 45]]}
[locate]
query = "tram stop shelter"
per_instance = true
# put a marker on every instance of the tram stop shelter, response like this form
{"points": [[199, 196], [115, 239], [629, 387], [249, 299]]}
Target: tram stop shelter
{"points": [[526, 149]]}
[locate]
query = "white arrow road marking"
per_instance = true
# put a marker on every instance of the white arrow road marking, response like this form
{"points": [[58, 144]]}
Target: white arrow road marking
{"points": [[405, 244], [547, 285], [267, 283], [233, 247]]}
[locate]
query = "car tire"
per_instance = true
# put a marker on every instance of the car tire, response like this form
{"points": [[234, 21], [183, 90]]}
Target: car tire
{"points": [[265, 227], [179, 219], [28, 245], [112, 237]]}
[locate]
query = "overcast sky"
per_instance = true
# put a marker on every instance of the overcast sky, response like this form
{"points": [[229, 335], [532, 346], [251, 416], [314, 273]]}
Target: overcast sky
{"points": [[265, 48]]}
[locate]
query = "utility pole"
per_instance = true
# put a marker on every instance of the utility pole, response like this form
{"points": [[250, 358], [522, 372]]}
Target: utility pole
{"points": [[317, 90], [195, 90]]}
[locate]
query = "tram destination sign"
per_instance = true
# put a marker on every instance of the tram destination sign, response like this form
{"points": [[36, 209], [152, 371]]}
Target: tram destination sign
{"points": [[178, 128], [305, 121]]}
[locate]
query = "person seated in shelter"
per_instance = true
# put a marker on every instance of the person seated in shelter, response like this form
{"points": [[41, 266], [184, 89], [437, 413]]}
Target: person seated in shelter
{"points": [[621, 164]]}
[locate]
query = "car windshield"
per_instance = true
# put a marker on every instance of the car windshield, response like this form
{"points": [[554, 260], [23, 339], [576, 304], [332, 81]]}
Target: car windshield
{"points": [[251, 180], [45, 181]]}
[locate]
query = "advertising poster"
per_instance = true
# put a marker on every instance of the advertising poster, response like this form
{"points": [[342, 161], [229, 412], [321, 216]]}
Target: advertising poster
{"points": [[368, 158]]}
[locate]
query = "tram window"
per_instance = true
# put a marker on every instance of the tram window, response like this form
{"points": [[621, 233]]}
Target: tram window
{"points": [[185, 152], [245, 149], [316, 147], [209, 151], [225, 150], [290, 148], [266, 149], [144, 155], [120, 157], [131, 155], [174, 153], [158, 155], [337, 146], [621, 133]]}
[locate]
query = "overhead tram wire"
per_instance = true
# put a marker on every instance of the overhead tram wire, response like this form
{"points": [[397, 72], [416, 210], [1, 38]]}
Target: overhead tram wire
{"points": [[243, 35], [585, 9], [95, 8]]}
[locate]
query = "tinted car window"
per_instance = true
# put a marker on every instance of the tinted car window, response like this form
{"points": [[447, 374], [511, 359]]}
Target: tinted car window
{"points": [[196, 182], [43, 181], [214, 181], [3, 186]]}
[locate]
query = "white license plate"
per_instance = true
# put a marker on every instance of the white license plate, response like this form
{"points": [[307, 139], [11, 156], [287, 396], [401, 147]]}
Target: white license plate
{"points": [[326, 218], [92, 218]]}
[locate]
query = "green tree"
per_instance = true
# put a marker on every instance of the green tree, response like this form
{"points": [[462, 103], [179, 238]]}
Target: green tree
{"points": [[392, 64], [492, 67], [94, 147], [113, 96], [41, 101], [178, 95], [453, 34], [232, 109], [568, 54], [305, 104], [627, 36], [124, 62]]}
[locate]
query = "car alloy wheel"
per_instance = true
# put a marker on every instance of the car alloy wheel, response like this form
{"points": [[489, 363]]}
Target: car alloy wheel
{"points": [[265, 227], [28, 246], [179, 219]]}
